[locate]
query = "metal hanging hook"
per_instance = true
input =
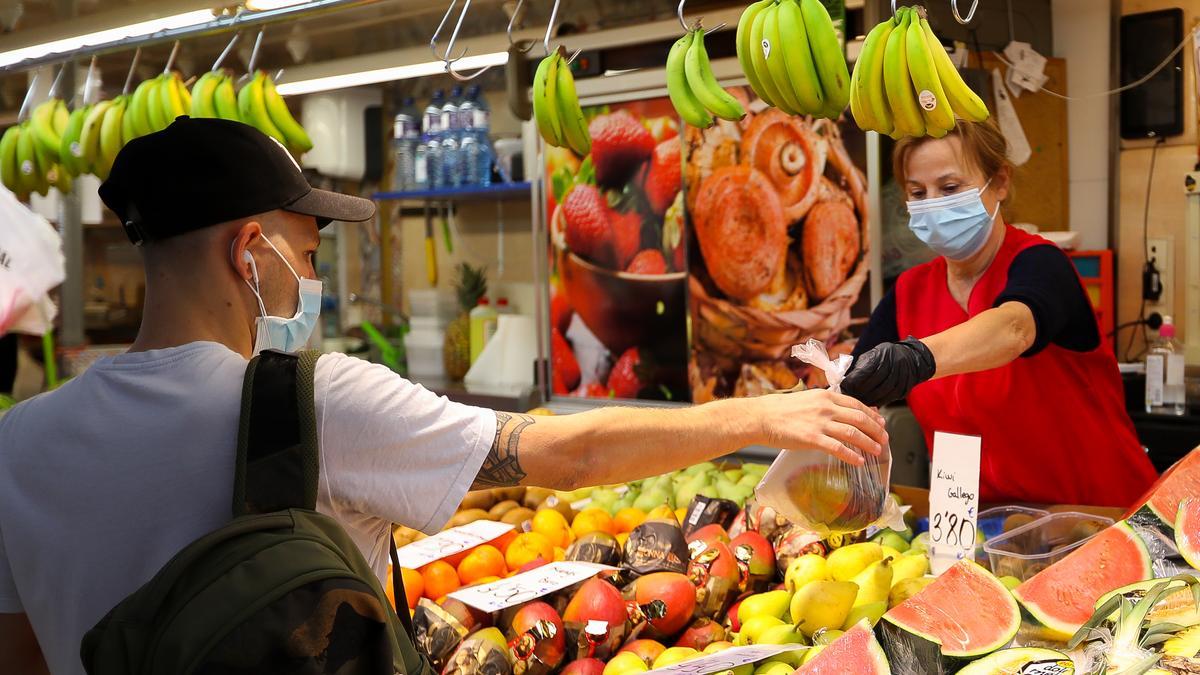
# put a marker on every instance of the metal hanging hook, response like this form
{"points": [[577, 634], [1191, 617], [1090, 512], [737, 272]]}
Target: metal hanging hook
{"points": [[23, 113], [894, 8], [90, 89], [171, 58], [511, 22], [550, 29], [225, 53], [450, 46], [137, 55], [57, 80], [683, 22], [970, 13], [441, 24], [254, 52]]}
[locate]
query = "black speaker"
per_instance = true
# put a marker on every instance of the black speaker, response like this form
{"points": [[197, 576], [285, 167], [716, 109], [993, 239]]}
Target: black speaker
{"points": [[1155, 108]]}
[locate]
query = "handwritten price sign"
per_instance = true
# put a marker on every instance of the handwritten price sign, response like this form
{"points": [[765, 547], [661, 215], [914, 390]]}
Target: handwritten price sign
{"points": [[529, 585], [953, 499], [727, 659], [449, 542]]}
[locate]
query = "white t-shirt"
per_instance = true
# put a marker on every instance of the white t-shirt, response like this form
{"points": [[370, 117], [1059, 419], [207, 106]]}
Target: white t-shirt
{"points": [[105, 479]]}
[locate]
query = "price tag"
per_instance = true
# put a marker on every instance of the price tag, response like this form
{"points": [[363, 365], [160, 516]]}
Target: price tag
{"points": [[726, 659], [529, 585], [953, 499], [449, 542]]}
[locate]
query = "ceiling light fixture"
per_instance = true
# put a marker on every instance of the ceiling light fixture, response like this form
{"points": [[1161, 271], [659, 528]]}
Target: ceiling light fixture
{"points": [[361, 78], [140, 29]]}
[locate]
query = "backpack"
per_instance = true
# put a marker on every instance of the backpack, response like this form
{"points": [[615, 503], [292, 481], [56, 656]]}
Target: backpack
{"points": [[280, 588]]}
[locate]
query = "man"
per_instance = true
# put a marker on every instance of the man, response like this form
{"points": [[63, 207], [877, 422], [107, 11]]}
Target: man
{"points": [[104, 479]]}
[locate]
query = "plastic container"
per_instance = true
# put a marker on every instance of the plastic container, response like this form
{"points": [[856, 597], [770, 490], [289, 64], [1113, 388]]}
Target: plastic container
{"points": [[424, 354], [991, 521], [432, 303], [1031, 548], [483, 326]]}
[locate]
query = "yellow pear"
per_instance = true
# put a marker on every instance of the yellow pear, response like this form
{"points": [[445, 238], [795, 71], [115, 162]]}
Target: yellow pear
{"points": [[872, 612], [845, 563], [889, 552], [812, 653], [625, 663], [754, 627], [823, 604], [806, 568], [874, 583], [771, 603], [909, 567], [675, 655], [903, 590]]}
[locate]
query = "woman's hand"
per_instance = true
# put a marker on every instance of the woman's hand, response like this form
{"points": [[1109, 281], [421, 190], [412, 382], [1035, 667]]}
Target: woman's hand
{"points": [[889, 371], [820, 419]]}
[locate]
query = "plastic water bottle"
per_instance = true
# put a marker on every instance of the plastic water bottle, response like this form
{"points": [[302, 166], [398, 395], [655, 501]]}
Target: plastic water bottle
{"points": [[476, 118], [429, 152], [406, 136], [452, 173], [1165, 388]]}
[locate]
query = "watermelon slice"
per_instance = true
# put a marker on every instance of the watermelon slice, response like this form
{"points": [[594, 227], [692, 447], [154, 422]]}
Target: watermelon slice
{"points": [[1161, 501], [1187, 531], [1019, 660], [965, 614], [855, 652], [1062, 597]]}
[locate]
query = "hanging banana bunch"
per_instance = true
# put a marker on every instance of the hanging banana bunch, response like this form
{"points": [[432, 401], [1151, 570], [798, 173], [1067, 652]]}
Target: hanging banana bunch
{"points": [[904, 83], [792, 56], [261, 106], [556, 109]]}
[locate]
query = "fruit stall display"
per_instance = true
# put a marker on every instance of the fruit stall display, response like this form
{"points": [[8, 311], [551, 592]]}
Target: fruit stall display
{"points": [[698, 567]]}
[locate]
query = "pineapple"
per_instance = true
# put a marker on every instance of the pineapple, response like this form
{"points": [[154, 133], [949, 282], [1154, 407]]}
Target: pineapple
{"points": [[469, 287]]}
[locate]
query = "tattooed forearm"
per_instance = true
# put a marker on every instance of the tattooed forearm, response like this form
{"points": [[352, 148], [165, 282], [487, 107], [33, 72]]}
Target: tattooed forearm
{"points": [[502, 467]]}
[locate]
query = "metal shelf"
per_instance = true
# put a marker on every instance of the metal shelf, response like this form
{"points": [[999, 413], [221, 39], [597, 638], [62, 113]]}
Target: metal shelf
{"points": [[495, 191]]}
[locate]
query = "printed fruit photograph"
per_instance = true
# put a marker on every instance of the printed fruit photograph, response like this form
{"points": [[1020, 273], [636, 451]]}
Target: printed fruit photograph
{"points": [[618, 256], [777, 206]]}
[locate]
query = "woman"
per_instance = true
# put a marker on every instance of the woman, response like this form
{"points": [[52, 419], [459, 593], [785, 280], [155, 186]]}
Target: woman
{"points": [[999, 338]]}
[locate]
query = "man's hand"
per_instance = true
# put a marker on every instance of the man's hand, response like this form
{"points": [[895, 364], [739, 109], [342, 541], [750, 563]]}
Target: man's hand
{"points": [[818, 418], [889, 371]]}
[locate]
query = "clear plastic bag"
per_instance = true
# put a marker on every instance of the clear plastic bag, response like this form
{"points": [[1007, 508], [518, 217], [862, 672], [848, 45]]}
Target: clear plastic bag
{"points": [[822, 493]]}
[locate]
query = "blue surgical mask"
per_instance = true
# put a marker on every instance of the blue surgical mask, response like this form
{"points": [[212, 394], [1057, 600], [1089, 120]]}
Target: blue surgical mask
{"points": [[955, 226], [280, 333]]}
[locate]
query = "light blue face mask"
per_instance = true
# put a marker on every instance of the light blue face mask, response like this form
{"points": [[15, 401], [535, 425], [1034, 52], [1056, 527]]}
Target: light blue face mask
{"points": [[280, 333], [955, 226]]}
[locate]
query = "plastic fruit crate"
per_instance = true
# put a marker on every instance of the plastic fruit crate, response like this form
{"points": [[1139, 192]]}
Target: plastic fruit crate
{"points": [[1031, 548]]}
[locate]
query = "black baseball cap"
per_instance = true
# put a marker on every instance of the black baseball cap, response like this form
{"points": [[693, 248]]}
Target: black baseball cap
{"points": [[201, 172]]}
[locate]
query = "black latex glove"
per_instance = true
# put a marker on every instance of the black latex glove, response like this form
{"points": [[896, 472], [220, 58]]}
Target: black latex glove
{"points": [[889, 371]]}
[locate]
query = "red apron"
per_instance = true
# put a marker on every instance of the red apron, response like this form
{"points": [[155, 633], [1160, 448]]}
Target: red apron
{"points": [[1054, 425]]}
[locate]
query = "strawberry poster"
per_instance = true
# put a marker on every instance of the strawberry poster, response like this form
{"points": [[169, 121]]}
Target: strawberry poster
{"points": [[618, 290], [776, 206]]}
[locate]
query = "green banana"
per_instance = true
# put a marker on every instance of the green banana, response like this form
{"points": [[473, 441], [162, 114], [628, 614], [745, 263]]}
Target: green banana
{"points": [[690, 110], [704, 85], [89, 138], [867, 81], [9, 170], [46, 128], [545, 96], [939, 118], [170, 98], [745, 47], [963, 101], [574, 124], [796, 55], [127, 131], [828, 55], [26, 160], [68, 147], [297, 138], [906, 113], [138, 108], [225, 100], [252, 108], [110, 137], [203, 105], [61, 179], [156, 114], [758, 58], [42, 169]]}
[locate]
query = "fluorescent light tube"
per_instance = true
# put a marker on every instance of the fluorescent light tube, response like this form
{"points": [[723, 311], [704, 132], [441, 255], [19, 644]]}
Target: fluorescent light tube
{"points": [[263, 5], [140, 29], [358, 79]]}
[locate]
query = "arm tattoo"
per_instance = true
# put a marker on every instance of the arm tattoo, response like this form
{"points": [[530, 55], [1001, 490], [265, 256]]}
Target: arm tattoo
{"points": [[502, 467]]}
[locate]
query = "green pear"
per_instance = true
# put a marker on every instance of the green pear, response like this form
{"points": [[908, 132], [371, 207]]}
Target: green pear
{"points": [[784, 635], [752, 628], [890, 538], [823, 604], [808, 567], [775, 668], [702, 467], [771, 603], [1009, 582], [750, 480], [874, 583], [651, 498], [604, 497], [827, 637], [756, 468], [871, 611], [675, 655], [812, 653], [846, 562], [625, 663], [734, 474], [919, 543], [903, 590]]}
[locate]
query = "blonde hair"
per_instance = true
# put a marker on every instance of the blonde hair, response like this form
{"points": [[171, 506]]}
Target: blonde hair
{"points": [[983, 147]]}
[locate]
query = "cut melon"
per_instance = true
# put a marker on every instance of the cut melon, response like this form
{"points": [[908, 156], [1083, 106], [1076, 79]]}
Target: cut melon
{"points": [[1022, 660], [1187, 531], [1161, 502], [1176, 606], [854, 652], [1062, 597], [964, 614]]}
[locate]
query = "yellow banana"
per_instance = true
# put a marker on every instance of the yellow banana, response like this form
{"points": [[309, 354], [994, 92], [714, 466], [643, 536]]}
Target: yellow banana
{"points": [[138, 108], [170, 98], [545, 95], [69, 152], [963, 101], [828, 55], [110, 137], [745, 47], [156, 114], [127, 131], [42, 170], [26, 160], [704, 84], [225, 100], [45, 127], [690, 110], [906, 113], [60, 179], [202, 95], [574, 124], [89, 138], [9, 169], [939, 118], [252, 107], [297, 138], [758, 58], [796, 53], [874, 114]]}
